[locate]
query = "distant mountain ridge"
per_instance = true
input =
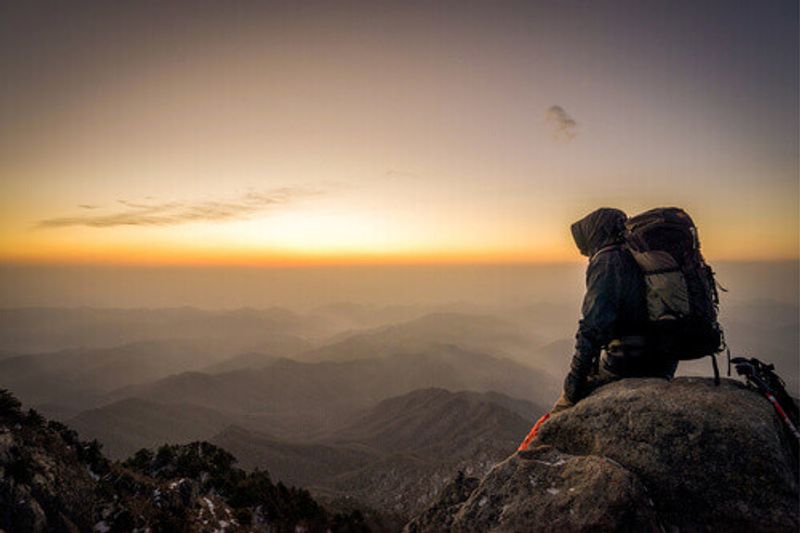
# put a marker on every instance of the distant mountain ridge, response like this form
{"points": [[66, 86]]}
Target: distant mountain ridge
{"points": [[295, 399], [131, 424], [472, 332], [392, 458], [167, 342], [397, 455], [378, 416], [42, 329]]}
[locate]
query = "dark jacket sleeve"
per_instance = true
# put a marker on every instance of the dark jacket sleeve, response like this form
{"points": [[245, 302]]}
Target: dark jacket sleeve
{"points": [[601, 305]]}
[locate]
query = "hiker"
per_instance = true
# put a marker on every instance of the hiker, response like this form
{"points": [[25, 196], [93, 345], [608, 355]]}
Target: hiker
{"points": [[614, 312], [651, 301]]}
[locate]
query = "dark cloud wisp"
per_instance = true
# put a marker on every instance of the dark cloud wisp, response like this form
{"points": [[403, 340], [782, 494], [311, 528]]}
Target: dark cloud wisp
{"points": [[174, 213], [564, 126]]}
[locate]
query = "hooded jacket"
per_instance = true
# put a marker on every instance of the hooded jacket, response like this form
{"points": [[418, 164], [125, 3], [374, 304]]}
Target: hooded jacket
{"points": [[615, 304], [599, 229]]}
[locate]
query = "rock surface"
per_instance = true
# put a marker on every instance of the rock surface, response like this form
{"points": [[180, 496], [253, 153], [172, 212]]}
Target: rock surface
{"points": [[547, 490], [641, 455]]}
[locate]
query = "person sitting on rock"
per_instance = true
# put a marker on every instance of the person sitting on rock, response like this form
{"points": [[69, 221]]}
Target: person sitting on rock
{"points": [[614, 312]]}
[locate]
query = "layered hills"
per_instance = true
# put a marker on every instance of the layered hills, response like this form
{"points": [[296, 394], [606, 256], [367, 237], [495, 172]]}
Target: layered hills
{"points": [[397, 455], [130, 424], [366, 407], [336, 399]]}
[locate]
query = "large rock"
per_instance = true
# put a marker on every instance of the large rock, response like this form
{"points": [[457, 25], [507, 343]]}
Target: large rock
{"points": [[544, 489], [645, 455]]}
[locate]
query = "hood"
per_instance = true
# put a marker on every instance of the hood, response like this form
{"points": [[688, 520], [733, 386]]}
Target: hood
{"points": [[598, 229]]}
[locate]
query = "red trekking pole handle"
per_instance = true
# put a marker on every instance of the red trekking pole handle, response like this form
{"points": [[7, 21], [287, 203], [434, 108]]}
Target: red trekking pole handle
{"points": [[782, 414]]}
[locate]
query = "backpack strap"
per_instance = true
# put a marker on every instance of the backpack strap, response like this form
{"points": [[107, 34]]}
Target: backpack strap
{"points": [[605, 249], [716, 368]]}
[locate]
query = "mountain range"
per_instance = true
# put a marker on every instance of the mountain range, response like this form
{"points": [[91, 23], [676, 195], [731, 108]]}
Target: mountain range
{"points": [[397, 455], [369, 407]]}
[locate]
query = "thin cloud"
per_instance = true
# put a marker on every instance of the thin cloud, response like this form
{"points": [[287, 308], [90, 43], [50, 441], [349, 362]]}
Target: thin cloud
{"points": [[564, 126], [401, 174], [174, 213]]}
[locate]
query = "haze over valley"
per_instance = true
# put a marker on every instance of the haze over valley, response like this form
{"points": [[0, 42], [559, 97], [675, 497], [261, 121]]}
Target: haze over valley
{"points": [[364, 400]]}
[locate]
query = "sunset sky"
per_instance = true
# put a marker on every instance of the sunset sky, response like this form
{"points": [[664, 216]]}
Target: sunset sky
{"points": [[314, 132]]}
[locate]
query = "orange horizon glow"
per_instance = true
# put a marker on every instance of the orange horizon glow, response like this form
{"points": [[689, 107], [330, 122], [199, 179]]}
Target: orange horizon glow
{"points": [[282, 259], [266, 259], [307, 237]]}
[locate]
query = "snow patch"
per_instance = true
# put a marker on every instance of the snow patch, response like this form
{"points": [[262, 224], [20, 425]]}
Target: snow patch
{"points": [[223, 525], [94, 476], [557, 463], [210, 505]]}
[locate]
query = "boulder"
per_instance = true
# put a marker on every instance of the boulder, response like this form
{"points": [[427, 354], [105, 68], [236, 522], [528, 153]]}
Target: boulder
{"points": [[546, 490], [644, 455]]}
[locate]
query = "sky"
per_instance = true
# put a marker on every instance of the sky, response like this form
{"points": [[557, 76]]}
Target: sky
{"points": [[305, 133]]}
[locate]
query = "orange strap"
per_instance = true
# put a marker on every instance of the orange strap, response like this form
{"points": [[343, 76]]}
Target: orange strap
{"points": [[532, 433]]}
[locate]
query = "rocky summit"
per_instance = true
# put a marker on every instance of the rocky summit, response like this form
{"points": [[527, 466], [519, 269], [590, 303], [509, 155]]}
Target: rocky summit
{"points": [[638, 455], [51, 481]]}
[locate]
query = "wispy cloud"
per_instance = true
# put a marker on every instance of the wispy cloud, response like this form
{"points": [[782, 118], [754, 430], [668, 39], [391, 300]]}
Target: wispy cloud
{"points": [[149, 213], [401, 174], [564, 126]]}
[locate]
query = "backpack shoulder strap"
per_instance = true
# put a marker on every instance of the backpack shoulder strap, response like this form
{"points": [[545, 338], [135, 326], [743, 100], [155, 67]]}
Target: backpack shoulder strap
{"points": [[605, 249]]}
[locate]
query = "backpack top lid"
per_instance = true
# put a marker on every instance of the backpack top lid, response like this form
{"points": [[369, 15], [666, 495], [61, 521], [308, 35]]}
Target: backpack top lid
{"points": [[668, 229]]}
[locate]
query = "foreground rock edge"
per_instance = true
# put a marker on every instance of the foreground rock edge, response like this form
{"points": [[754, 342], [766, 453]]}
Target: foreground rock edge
{"points": [[643, 455]]}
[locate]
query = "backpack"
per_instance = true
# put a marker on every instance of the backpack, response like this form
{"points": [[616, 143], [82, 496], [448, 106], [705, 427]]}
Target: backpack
{"points": [[682, 297]]}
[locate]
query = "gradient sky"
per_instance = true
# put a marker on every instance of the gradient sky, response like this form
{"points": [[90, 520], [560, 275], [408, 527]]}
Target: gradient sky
{"points": [[304, 132]]}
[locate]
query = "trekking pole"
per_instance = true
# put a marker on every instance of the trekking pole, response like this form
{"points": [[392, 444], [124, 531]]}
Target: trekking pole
{"points": [[783, 415], [748, 370]]}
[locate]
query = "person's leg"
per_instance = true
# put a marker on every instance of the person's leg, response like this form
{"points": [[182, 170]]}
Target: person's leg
{"points": [[603, 376]]}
